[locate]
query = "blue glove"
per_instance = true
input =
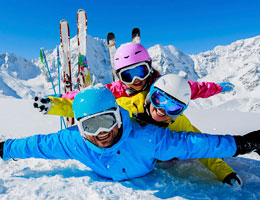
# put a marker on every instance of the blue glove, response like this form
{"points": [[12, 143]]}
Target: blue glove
{"points": [[227, 87]]}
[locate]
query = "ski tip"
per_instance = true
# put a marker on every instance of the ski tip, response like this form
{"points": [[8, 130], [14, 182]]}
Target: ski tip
{"points": [[136, 30], [110, 36], [81, 10], [63, 21], [136, 35]]}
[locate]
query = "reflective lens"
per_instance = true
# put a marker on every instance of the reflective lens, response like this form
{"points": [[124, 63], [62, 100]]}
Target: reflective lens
{"points": [[171, 106], [140, 71], [94, 125]]}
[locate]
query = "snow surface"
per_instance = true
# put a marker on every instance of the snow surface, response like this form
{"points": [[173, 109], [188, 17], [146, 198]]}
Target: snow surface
{"points": [[57, 179]]}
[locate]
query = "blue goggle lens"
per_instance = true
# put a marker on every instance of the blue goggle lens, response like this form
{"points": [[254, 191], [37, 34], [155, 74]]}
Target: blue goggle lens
{"points": [[171, 106], [140, 71]]}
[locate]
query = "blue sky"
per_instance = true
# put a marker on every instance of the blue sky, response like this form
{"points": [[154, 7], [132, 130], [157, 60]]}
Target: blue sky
{"points": [[192, 26]]}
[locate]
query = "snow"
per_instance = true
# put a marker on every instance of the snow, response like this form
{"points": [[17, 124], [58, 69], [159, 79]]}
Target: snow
{"points": [[57, 179]]}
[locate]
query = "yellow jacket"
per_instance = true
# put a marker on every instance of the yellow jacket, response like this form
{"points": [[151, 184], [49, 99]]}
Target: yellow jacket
{"points": [[134, 104]]}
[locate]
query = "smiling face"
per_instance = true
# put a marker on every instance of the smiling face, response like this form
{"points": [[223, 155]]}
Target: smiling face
{"points": [[158, 114], [138, 84], [104, 139]]}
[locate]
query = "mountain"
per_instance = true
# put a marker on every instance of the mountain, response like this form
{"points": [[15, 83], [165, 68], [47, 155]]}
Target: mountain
{"points": [[16, 74], [237, 63]]}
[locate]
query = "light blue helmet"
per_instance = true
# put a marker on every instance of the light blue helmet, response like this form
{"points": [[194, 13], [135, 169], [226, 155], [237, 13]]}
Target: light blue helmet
{"points": [[93, 100]]}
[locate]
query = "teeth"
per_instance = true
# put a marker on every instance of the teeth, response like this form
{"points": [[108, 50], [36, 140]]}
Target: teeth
{"points": [[160, 113], [101, 137]]}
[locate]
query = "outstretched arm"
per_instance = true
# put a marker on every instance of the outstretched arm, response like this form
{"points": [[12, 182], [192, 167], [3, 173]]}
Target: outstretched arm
{"points": [[208, 89], [186, 145], [59, 145], [54, 106]]}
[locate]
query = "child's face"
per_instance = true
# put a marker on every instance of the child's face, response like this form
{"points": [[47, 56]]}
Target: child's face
{"points": [[138, 84], [158, 114]]}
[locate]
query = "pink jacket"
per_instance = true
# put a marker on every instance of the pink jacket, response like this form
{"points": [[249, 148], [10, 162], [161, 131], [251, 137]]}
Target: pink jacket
{"points": [[198, 90]]}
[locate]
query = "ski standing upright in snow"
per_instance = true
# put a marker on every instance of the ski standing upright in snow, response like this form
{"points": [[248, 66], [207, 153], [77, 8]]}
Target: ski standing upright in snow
{"points": [[111, 44], [65, 46], [136, 36], [84, 78]]}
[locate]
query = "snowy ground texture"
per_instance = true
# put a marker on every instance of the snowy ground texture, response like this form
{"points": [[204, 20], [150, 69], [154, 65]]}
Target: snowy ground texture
{"points": [[44, 179]]}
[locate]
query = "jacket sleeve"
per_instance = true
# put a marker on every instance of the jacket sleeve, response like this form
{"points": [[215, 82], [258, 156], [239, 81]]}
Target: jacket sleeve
{"points": [[204, 89], [215, 165], [51, 146], [184, 145], [118, 89], [61, 107]]}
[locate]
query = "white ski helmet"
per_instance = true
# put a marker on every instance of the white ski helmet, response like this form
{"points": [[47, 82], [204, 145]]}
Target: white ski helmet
{"points": [[175, 86]]}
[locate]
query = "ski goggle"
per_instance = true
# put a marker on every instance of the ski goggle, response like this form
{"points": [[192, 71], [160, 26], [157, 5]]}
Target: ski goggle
{"points": [[129, 74], [171, 105], [94, 124]]}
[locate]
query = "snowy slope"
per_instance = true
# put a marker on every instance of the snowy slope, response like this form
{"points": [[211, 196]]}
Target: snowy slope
{"points": [[56, 179]]}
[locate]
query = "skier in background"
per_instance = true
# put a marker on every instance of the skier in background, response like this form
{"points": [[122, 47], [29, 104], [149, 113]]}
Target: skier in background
{"points": [[114, 146]]}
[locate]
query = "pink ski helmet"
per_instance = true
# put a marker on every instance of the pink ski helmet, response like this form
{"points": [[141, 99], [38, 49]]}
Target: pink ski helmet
{"points": [[129, 54]]}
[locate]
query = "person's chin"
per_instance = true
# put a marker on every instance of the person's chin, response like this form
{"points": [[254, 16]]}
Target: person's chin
{"points": [[138, 87], [104, 142], [158, 116]]}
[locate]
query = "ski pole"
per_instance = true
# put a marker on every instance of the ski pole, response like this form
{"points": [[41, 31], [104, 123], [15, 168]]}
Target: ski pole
{"points": [[44, 61], [58, 66]]}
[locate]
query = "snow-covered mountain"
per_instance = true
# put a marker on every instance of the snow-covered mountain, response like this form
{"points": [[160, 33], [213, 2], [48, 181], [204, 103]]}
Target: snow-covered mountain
{"points": [[237, 63], [16, 74]]}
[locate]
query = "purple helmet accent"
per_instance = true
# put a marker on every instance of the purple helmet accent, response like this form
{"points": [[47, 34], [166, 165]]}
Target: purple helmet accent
{"points": [[129, 54]]}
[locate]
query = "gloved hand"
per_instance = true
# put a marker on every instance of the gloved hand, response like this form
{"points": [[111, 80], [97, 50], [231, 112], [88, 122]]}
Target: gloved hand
{"points": [[1, 149], [42, 104], [248, 143], [232, 179], [227, 87]]}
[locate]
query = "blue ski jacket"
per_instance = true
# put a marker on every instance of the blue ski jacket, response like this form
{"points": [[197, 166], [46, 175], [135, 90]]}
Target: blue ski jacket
{"points": [[134, 155]]}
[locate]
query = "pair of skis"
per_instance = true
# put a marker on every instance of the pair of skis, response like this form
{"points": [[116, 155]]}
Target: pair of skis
{"points": [[83, 79], [111, 44]]}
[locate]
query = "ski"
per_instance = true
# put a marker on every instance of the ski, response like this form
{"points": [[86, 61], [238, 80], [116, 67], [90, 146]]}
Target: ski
{"points": [[65, 46], [84, 78], [136, 37], [111, 44]]}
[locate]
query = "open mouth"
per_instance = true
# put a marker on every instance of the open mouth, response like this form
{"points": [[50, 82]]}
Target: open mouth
{"points": [[160, 113], [103, 136]]}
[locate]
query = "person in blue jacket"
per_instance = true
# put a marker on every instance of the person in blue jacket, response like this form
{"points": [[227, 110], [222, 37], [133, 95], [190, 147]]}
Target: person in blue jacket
{"points": [[114, 146]]}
